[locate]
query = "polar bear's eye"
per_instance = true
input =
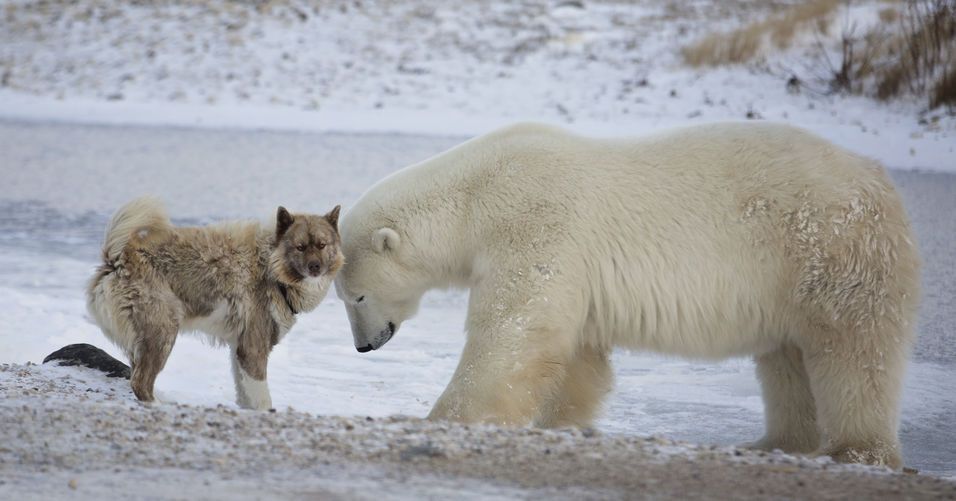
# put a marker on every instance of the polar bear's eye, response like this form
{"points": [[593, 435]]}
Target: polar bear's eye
{"points": [[360, 299]]}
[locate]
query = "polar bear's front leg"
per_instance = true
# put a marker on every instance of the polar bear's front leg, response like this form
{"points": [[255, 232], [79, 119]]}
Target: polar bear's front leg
{"points": [[505, 375], [588, 379]]}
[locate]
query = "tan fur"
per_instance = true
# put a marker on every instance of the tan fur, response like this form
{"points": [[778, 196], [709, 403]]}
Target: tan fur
{"points": [[222, 280]]}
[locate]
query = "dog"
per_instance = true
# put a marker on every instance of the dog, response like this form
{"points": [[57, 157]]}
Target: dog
{"points": [[240, 283]]}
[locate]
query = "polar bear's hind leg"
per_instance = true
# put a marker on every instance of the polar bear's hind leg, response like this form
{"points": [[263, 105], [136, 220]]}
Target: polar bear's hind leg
{"points": [[856, 386], [789, 409], [861, 302]]}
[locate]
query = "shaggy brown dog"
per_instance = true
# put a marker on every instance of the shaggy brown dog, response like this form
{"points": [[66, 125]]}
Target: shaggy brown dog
{"points": [[240, 283]]}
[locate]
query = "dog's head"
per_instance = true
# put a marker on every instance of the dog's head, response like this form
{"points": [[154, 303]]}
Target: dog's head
{"points": [[307, 247]]}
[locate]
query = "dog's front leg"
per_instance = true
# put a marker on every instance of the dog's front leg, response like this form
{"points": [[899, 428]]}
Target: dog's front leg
{"points": [[251, 393], [249, 359]]}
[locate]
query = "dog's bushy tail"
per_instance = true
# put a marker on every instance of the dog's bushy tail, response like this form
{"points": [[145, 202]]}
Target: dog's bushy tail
{"points": [[134, 221]]}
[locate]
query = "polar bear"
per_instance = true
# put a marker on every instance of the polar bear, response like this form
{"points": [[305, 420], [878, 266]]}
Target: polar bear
{"points": [[709, 242]]}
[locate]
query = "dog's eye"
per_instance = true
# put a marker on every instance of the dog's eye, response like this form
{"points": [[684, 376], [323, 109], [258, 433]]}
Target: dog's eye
{"points": [[321, 245], [360, 299], [300, 248]]}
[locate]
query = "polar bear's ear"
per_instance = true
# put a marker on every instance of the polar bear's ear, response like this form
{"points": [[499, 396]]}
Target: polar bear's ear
{"points": [[385, 239]]}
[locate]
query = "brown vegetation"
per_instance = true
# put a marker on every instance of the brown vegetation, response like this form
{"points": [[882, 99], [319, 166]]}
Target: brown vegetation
{"points": [[912, 51], [743, 44], [925, 50], [944, 92]]}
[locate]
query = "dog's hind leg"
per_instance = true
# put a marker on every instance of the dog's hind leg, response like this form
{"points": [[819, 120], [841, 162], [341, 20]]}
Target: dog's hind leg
{"points": [[156, 327]]}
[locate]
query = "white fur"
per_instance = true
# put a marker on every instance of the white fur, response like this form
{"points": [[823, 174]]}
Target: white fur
{"points": [[214, 326], [384, 239], [133, 218], [709, 242], [251, 393]]}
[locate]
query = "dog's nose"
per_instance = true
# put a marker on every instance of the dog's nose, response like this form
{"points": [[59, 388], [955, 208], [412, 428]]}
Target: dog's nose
{"points": [[315, 268]]}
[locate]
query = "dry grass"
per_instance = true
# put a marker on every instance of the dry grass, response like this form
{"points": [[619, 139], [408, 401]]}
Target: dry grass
{"points": [[743, 44], [911, 51], [859, 59], [918, 59], [925, 52], [944, 91]]}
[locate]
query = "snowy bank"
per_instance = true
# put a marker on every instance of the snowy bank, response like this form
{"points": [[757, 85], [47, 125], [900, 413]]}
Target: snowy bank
{"points": [[600, 67]]}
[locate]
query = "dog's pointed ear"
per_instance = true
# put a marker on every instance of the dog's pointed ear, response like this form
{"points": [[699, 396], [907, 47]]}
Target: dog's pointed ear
{"points": [[283, 221], [385, 239], [333, 217]]}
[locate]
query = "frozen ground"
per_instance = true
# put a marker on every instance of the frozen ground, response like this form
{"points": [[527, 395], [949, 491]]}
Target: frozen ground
{"points": [[422, 66], [63, 181], [69, 433]]}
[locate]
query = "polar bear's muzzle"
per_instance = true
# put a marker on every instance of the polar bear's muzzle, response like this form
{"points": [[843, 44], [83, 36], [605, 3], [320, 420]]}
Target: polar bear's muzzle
{"points": [[379, 339], [371, 327]]}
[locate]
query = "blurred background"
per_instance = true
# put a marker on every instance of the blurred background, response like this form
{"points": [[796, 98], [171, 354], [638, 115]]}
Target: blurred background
{"points": [[857, 71]]}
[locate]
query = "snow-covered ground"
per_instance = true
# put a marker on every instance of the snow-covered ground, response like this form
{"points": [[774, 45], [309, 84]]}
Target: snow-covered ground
{"points": [[420, 66], [63, 181], [71, 434]]}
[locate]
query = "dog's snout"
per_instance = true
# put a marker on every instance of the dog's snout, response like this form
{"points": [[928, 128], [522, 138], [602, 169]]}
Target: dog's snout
{"points": [[315, 267]]}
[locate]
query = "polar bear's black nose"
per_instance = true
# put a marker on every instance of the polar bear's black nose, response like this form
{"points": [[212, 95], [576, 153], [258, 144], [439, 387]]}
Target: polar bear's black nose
{"points": [[364, 349]]}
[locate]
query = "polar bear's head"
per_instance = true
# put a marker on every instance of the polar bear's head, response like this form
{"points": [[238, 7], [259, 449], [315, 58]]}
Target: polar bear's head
{"points": [[381, 282]]}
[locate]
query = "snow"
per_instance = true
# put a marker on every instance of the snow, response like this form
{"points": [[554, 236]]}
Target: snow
{"points": [[609, 68], [65, 180], [71, 433]]}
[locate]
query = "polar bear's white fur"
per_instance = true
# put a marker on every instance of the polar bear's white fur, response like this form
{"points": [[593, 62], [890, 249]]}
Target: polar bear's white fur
{"points": [[713, 241]]}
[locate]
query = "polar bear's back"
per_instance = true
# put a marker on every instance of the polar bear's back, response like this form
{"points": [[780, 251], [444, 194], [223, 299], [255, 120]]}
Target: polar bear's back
{"points": [[701, 157]]}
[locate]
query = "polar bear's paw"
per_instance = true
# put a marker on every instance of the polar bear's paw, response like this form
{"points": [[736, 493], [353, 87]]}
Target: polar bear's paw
{"points": [[880, 454]]}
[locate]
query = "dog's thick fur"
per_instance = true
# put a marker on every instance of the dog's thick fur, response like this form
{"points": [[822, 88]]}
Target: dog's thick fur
{"points": [[713, 241], [240, 283]]}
